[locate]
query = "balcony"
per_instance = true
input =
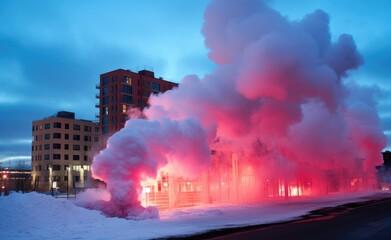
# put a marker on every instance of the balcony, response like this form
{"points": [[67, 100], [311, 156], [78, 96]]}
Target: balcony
{"points": [[97, 86], [97, 95]]}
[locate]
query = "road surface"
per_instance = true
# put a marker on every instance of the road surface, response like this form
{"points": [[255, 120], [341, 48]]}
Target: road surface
{"points": [[365, 220]]}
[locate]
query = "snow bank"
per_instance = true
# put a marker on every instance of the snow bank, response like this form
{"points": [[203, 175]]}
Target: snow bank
{"points": [[38, 216]]}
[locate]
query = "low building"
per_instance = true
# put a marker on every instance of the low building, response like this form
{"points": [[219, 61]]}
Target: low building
{"points": [[18, 180], [384, 172], [62, 152]]}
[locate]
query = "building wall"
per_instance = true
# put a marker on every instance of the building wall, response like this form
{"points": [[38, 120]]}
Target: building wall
{"points": [[120, 90], [62, 149]]}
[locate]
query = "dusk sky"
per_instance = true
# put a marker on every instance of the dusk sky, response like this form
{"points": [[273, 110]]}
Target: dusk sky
{"points": [[52, 52]]}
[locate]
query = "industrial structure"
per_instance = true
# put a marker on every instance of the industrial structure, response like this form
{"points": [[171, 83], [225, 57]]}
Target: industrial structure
{"points": [[234, 177]]}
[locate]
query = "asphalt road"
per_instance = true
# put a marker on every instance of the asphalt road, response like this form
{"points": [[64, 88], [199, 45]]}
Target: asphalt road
{"points": [[365, 220]]}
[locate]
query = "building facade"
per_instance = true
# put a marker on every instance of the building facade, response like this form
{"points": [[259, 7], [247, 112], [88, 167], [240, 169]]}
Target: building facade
{"points": [[62, 152], [120, 90]]}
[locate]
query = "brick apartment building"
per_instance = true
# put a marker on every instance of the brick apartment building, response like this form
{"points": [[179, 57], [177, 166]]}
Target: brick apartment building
{"points": [[62, 152], [122, 89]]}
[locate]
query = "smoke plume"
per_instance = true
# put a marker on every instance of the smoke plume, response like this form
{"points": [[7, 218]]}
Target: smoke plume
{"points": [[278, 94]]}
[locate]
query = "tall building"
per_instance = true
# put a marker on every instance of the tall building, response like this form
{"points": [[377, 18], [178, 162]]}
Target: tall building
{"points": [[62, 152], [122, 89]]}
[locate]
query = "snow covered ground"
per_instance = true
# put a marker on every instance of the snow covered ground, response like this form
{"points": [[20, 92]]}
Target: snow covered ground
{"points": [[38, 216]]}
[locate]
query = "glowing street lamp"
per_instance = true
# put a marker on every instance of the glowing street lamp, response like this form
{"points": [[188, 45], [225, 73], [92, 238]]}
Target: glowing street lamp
{"points": [[51, 179]]}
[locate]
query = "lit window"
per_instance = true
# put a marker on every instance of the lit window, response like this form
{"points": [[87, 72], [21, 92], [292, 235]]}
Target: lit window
{"points": [[124, 108], [127, 80]]}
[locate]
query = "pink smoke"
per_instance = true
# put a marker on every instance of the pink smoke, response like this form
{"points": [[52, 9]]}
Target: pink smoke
{"points": [[278, 94]]}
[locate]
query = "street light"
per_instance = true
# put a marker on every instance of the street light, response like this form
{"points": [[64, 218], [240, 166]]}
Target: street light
{"points": [[50, 179]]}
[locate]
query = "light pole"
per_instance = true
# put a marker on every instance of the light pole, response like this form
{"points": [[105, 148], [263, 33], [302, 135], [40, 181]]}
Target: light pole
{"points": [[68, 171], [51, 179]]}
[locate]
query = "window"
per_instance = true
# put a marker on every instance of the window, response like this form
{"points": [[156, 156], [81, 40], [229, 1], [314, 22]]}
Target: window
{"points": [[46, 146], [76, 147], [105, 90], [76, 157], [66, 125], [124, 108], [56, 156], [127, 89], [105, 110], [56, 125], [56, 135], [105, 100], [56, 167], [105, 81], [66, 167], [47, 136], [86, 148], [66, 157], [105, 120], [87, 138], [127, 80], [32, 148], [66, 136], [46, 157], [105, 129], [87, 129], [47, 125], [65, 178], [66, 146], [155, 86], [127, 99], [56, 146], [96, 129], [76, 178], [76, 137], [76, 127], [40, 147], [85, 158], [96, 139]]}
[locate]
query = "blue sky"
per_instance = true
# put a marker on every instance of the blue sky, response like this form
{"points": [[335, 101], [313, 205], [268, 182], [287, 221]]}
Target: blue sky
{"points": [[52, 52]]}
